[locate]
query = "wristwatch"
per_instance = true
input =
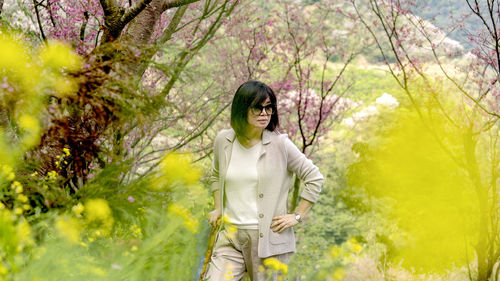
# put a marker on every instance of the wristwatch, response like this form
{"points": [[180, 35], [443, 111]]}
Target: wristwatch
{"points": [[298, 217]]}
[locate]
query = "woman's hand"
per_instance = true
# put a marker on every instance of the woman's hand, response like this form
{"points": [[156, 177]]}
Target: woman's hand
{"points": [[213, 217], [283, 222]]}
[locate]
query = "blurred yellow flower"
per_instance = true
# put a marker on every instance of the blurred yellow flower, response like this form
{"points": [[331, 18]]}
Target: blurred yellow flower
{"points": [[23, 230], [22, 198], [11, 176], [28, 122], [17, 187], [13, 56], [335, 251], [18, 211], [338, 274], [6, 169], [69, 228], [57, 55], [78, 209], [354, 246], [3, 270], [97, 211], [276, 265], [66, 151], [175, 167], [189, 220], [52, 175]]}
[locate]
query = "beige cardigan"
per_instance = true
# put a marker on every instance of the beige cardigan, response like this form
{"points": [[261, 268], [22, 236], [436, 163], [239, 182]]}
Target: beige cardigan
{"points": [[277, 163]]}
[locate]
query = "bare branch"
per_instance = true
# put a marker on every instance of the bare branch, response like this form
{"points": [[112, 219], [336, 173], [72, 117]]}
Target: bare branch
{"points": [[36, 4], [176, 3], [132, 12]]}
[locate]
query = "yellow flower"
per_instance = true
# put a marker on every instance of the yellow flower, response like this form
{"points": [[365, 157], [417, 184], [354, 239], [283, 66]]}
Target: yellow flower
{"points": [[34, 174], [22, 198], [3, 270], [338, 274], [12, 55], [6, 169], [69, 228], [335, 251], [11, 176], [66, 151], [17, 187], [26, 207], [97, 211], [78, 209], [175, 167], [354, 246], [136, 231], [24, 233], [52, 175], [60, 56], [189, 220], [28, 122], [276, 265], [134, 248], [18, 211]]}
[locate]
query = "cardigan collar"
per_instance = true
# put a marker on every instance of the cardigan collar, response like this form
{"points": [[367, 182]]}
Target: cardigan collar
{"points": [[266, 136]]}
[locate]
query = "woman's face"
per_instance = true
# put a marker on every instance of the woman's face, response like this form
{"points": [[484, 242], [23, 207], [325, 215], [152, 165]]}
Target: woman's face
{"points": [[262, 119]]}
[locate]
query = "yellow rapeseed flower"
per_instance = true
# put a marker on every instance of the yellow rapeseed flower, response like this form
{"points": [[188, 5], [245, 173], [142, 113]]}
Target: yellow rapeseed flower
{"points": [[11, 176], [13, 55], [22, 198], [98, 211], [57, 55], [175, 167], [17, 187], [338, 274], [354, 246], [52, 175], [276, 265], [69, 228], [6, 169], [3, 270], [23, 230], [66, 151], [78, 209], [28, 122], [189, 220], [335, 251]]}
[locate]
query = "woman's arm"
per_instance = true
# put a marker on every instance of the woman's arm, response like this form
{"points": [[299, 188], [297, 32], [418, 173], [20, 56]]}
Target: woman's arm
{"points": [[283, 222], [214, 215]]}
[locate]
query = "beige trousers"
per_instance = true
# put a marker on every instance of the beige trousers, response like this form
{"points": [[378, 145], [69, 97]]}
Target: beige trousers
{"points": [[235, 254]]}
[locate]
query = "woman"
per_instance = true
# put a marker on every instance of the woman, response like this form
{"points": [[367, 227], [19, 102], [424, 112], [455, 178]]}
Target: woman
{"points": [[252, 174]]}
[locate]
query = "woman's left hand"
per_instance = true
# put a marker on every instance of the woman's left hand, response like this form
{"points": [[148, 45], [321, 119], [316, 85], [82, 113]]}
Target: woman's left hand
{"points": [[283, 222]]}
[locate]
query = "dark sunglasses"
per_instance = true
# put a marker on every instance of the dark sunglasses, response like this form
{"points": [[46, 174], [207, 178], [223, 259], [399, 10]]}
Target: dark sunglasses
{"points": [[257, 110]]}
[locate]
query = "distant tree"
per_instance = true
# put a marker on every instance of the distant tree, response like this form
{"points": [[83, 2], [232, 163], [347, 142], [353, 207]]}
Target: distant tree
{"points": [[476, 88]]}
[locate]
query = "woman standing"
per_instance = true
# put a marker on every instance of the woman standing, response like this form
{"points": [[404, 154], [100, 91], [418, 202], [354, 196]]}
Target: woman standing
{"points": [[252, 174]]}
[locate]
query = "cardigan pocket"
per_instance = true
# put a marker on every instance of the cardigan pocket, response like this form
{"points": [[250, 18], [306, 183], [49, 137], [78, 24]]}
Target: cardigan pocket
{"points": [[280, 238]]}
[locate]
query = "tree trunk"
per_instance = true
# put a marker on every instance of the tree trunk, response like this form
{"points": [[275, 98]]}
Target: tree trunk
{"points": [[483, 269]]}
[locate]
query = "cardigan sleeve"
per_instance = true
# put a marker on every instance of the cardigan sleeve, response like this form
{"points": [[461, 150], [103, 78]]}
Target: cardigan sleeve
{"points": [[304, 168], [214, 176]]}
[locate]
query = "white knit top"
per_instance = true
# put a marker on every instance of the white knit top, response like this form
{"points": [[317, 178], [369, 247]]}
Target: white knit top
{"points": [[240, 203]]}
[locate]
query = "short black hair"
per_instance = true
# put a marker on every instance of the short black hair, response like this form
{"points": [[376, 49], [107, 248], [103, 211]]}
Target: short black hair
{"points": [[250, 94]]}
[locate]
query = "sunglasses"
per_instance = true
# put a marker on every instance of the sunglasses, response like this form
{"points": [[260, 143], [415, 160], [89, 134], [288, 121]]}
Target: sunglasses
{"points": [[257, 110]]}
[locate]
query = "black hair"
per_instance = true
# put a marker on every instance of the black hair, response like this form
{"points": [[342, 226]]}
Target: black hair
{"points": [[250, 94]]}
